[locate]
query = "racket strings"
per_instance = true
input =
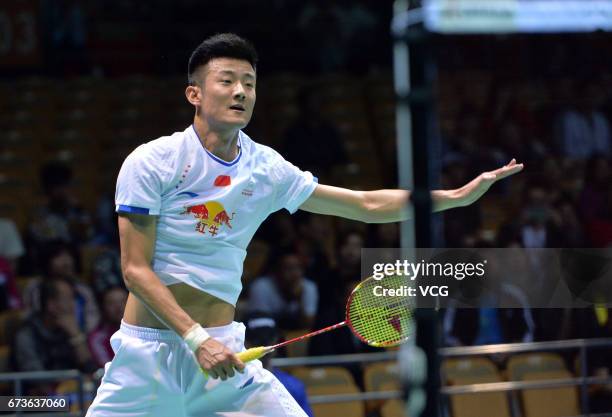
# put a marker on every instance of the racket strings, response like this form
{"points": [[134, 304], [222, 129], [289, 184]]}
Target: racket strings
{"points": [[381, 320]]}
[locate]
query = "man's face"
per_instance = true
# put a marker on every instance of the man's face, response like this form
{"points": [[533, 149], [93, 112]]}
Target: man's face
{"points": [[290, 271], [63, 303], [62, 265], [350, 252], [227, 93]]}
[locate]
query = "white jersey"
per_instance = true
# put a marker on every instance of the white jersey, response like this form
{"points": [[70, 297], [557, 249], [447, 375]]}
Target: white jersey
{"points": [[208, 209]]}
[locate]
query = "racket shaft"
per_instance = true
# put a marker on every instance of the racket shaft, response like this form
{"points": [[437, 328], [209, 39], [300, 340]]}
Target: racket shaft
{"points": [[306, 336]]}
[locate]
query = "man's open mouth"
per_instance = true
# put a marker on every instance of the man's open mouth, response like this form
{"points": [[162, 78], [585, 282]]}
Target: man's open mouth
{"points": [[237, 107]]}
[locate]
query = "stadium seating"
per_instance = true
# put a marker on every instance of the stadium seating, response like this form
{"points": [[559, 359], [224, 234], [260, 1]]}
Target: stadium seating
{"points": [[377, 375], [382, 376], [393, 407], [324, 376], [299, 349], [519, 365], [460, 369], [474, 371], [255, 261], [550, 402], [348, 408], [481, 404]]}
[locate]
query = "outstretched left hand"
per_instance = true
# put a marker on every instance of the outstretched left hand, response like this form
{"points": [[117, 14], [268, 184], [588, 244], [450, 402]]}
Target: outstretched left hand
{"points": [[474, 189]]}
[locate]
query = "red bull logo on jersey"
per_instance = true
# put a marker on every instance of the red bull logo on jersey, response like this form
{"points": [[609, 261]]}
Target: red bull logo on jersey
{"points": [[212, 217]]}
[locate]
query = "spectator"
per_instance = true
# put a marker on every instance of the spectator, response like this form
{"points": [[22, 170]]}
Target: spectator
{"points": [[107, 232], [261, 331], [112, 303], [314, 245], [279, 230], [106, 271], [384, 235], [340, 341], [59, 263], [552, 324], [51, 338], [582, 130], [9, 294], [599, 230], [61, 218], [597, 181], [537, 228], [488, 325], [287, 294], [568, 223], [348, 267], [11, 249], [11, 245]]}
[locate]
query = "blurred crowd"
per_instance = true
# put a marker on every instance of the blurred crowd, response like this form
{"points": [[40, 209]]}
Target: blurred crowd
{"points": [[61, 275], [301, 268], [561, 130], [83, 38]]}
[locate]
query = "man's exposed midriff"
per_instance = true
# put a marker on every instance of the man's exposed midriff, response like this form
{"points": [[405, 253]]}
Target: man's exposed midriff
{"points": [[202, 307]]}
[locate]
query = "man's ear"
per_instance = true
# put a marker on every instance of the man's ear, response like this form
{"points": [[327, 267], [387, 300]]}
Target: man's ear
{"points": [[193, 94]]}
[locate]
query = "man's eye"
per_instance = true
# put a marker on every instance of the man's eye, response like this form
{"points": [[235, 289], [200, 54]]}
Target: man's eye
{"points": [[250, 85], [226, 81]]}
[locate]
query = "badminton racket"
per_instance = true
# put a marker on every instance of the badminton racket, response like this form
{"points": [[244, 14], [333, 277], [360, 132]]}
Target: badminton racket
{"points": [[373, 315]]}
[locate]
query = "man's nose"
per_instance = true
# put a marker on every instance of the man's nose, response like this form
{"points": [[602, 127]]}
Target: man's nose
{"points": [[239, 93]]}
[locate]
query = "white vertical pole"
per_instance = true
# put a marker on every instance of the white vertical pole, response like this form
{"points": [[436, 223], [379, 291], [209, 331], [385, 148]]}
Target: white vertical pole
{"points": [[403, 124]]}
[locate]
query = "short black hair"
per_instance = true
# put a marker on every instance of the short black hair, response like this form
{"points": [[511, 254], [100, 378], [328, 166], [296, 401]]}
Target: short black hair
{"points": [[221, 45], [277, 256], [53, 249], [49, 290]]}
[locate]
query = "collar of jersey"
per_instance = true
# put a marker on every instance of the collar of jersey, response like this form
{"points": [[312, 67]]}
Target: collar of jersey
{"points": [[216, 158]]}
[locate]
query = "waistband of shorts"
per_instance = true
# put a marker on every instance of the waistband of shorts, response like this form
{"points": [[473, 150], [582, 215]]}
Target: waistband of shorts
{"points": [[166, 335]]}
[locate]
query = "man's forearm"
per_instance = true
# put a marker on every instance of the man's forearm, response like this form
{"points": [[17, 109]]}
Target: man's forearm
{"points": [[148, 288], [445, 199], [386, 206], [383, 206]]}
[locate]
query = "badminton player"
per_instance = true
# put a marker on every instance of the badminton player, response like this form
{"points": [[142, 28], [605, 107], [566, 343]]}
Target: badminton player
{"points": [[188, 205]]}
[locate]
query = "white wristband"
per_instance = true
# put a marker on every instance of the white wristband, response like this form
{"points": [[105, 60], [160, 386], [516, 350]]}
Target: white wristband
{"points": [[195, 337]]}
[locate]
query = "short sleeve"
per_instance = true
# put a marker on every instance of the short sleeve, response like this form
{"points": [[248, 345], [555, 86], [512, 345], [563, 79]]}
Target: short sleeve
{"points": [[310, 298], [139, 184], [261, 296], [292, 185], [11, 245]]}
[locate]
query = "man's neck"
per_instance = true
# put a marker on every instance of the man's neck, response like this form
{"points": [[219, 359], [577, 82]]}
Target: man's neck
{"points": [[223, 145]]}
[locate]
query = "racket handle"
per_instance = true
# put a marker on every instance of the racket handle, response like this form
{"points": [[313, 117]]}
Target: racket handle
{"points": [[249, 355], [254, 353]]}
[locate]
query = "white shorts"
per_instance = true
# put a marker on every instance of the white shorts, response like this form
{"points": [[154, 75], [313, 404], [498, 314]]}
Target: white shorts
{"points": [[153, 373]]}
